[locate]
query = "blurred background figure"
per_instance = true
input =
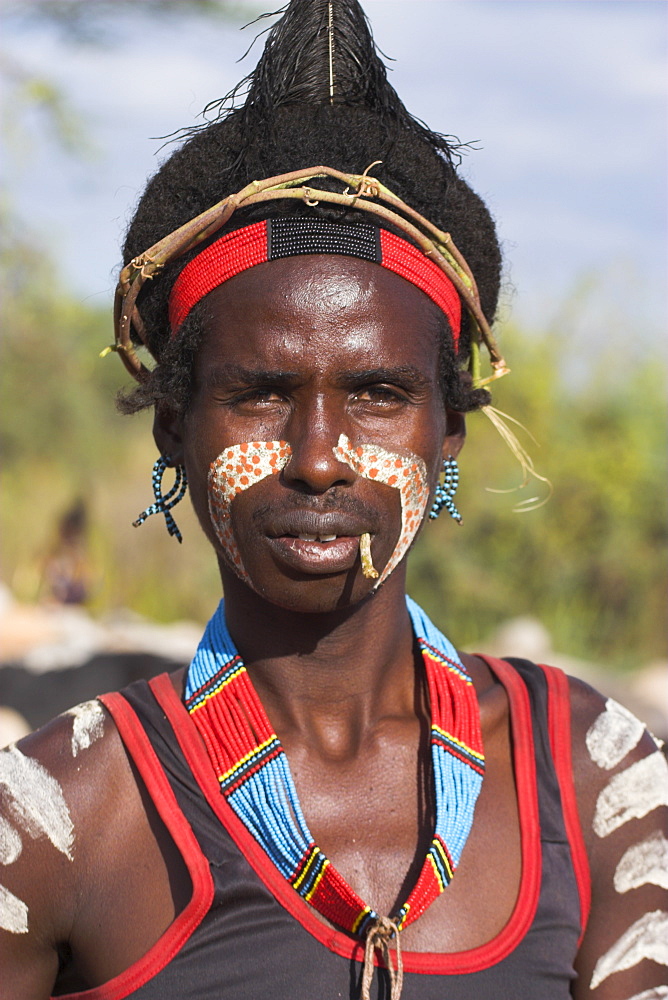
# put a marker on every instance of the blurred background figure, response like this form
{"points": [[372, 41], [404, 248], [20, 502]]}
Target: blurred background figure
{"points": [[67, 574]]}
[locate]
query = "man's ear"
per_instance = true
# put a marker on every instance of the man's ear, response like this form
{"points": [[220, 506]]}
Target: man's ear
{"points": [[167, 433], [455, 434]]}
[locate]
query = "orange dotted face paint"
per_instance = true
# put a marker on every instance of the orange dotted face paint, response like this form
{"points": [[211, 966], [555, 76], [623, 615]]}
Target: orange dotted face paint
{"points": [[242, 465], [407, 473], [235, 469]]}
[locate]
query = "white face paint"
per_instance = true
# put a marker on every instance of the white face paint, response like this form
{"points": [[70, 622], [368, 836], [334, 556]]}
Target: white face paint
{"points": [[235, 470], [614, 734], [406, 473], [242, 465], [632, 793], [646, 938], [10, 842], [35, 800], [656, 993], [643, 864], [13, 913], [88, 725]]}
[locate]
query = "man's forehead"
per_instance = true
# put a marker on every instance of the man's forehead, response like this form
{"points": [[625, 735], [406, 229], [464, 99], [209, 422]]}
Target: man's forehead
{"points": [[324, 286], [322, 311]]}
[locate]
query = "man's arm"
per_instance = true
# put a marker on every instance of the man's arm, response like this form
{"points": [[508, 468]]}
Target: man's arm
{"points": [[38, 847], [621, 778]]}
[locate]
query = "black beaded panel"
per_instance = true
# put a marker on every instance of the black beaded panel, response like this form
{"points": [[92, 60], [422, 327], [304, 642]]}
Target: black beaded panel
{"points": [[290, 237]]}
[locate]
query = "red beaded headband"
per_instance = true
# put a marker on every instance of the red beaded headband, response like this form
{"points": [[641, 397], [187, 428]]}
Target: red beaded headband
{"points": [[361, 192], [288, 237]]}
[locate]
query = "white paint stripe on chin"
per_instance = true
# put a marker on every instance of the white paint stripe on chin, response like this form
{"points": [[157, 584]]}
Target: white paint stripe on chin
{"points": [[655, 993], [13, 912], [613, 734], [35, 800], [647, 938], [88, 725], [645, 863], [632, 794]]}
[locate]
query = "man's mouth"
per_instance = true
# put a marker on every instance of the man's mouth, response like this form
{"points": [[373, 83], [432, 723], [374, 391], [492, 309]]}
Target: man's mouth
{"points": [[317, 538], [317, 526]]}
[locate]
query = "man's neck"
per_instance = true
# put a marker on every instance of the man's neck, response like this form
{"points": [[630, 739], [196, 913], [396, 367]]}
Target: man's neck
{"points": [[345, 668]]}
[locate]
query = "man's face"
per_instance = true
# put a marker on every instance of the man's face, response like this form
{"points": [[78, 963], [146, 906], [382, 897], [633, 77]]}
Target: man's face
{"points": [[306, 353]]}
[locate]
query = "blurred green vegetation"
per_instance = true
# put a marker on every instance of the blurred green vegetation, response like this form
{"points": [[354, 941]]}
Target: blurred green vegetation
{"points": [[590, 563]]}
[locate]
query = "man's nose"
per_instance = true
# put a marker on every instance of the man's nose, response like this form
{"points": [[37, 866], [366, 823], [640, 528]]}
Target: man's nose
{"points": [[312, 434]]}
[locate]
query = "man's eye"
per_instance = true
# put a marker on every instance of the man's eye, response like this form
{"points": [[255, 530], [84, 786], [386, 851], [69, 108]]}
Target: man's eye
{"points": [[382, 395], [257, 397]]}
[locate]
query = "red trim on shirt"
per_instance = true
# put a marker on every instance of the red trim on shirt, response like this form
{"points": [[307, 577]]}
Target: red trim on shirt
{"points": [[559, 729], [168, 944], [457, 963]]}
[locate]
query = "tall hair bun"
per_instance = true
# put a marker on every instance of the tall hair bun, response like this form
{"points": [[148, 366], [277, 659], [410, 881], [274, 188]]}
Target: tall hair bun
{"points": [[322, 52], [318, 95]]}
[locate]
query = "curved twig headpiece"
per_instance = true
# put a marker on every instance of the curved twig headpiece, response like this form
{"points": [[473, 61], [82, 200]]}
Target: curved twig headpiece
{"points": [[360, 191]]}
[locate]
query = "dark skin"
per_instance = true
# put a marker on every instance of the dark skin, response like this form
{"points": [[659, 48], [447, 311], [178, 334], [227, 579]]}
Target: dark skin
{"points": [[304, 350]]}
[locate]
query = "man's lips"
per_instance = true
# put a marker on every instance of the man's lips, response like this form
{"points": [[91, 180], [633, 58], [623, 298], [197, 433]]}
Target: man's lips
{"points": [[316, 525], [337, 556], [313, 542]]}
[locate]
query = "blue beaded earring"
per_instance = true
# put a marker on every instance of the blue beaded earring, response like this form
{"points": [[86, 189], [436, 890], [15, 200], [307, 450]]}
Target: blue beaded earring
{"points": [[446, 490], [164, 504]]}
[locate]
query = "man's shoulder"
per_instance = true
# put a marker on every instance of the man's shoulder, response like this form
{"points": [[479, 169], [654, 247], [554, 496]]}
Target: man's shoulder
{"points": [[65, 790], [69, 753], [606, 736], [620, 771]]}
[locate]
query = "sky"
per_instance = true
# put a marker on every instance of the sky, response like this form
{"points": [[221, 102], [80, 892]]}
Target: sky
{"points": [[564, 100]]}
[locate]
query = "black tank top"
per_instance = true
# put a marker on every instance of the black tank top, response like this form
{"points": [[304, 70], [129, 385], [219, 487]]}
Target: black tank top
{"points": [[247, 935]]}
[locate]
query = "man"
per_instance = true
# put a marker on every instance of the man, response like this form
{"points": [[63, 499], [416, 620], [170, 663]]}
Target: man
{"points": [[303, 811]]}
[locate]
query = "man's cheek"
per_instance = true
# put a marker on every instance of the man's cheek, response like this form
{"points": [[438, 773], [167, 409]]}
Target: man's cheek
{"points": [[236, 469], [406, 473]]}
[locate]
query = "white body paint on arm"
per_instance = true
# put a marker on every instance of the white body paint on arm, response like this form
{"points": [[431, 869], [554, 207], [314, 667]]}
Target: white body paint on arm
{"points": [[632, 793], [643, 864], [13, 913], [88, 725], [10, 842], [36, 800], [646, 938], [656, 993], [613, 734]]}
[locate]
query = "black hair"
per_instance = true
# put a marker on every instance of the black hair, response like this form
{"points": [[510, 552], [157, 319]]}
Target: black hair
{"points": [[303, 109]]}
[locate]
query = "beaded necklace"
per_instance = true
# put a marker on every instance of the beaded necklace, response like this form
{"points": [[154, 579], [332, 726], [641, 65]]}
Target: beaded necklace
{"points": [[254, 775]]}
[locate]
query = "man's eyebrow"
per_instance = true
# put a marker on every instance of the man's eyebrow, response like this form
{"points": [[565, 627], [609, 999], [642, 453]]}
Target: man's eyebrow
{"points": [[231, 374], [228, 374], [406, 375]]}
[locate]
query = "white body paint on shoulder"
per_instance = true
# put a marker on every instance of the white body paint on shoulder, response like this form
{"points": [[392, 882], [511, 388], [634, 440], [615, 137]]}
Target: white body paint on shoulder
{"points": [[613, 734], [643, 864], [10, 842], [632, 793], [88, 725], [656, 993], [13, 913], [646, 938], [35, 800]]}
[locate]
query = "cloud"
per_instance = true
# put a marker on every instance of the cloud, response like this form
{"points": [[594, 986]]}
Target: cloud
{"points": [[567, 101]]}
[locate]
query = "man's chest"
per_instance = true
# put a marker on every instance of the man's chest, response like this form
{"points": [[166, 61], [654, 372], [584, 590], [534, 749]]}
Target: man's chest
{"points": [[373, 818]]}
